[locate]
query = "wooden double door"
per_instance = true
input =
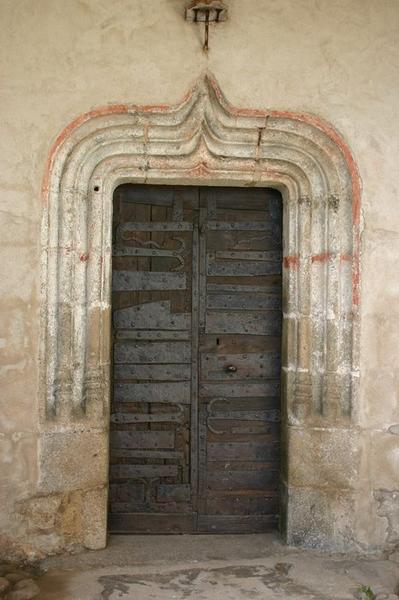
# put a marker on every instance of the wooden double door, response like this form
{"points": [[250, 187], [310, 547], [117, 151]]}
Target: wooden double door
{"points": [[194, 441]]}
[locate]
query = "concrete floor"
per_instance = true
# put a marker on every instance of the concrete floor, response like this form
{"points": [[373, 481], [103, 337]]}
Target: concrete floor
{"points": [[227, 567]]}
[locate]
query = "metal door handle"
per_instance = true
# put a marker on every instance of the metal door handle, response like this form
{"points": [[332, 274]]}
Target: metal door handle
{"points": [[230, 368]]}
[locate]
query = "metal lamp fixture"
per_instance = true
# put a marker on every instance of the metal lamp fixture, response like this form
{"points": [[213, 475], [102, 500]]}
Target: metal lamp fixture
{"points": [[206, 11]]}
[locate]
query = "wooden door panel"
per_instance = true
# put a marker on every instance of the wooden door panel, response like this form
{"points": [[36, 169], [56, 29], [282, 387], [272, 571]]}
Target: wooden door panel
{"points": [[237, 301], [243, 322], [155, 372], [238, 479], [253, 284], [239, 344], [151, 315], [243, 505], [152, 405], [242, 451], [240, 361], [235, 267], [250, 365], [194, 444], [149, 351], [152, 522], [174, 393], [240, 389], [252, 241], [141, 439], [254, 523], [146, 280]]}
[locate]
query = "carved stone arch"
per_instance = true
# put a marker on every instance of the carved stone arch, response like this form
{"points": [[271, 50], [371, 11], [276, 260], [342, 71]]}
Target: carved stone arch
{"points": [[202, 141]]}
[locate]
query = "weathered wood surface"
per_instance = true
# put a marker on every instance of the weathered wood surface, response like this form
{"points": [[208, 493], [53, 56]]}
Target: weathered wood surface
{"points": [[246, 302], [151, 522], [153, 315], [146, 418], [240, 365], [223, 241], [245, 322], [255, 523], [179, 372], [152, 356], [247, 451], [150, 454], [152, 506], [151, 335], [196, 360], [176, 393], [152, 226], [237, 430], [239, 344], [234, 479], [242, 255], [243, 505], [239, 226], [274, 287], [263, 365], [147, 280], [240, 389], [152, 352], [177, 493], [244, 268], [245, 415], [140, 471], [126, 492], [142, 439]]}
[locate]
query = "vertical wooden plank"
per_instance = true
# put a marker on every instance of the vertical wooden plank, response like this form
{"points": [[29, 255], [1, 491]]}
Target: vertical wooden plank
{"points": [[202, 429], [151, 417], [202, 259], [194, 365], [177, 211], [239, 386]]}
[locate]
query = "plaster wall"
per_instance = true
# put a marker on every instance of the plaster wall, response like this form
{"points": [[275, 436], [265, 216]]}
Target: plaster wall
{"points": [[337, 59]]}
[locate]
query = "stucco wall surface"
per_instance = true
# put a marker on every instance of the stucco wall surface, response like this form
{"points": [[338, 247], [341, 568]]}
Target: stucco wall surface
{"points": [[337, 59]]}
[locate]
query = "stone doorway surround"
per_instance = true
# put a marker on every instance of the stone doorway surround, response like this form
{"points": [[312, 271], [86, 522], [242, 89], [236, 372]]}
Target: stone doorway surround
{"points": [[203, 141]]}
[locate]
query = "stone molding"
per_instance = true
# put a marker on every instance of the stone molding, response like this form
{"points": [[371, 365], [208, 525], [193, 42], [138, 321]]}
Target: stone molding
{"points": [[201, 141]]}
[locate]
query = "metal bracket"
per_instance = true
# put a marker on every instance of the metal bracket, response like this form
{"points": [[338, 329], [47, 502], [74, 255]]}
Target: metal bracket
{"points": [[206, 11]]}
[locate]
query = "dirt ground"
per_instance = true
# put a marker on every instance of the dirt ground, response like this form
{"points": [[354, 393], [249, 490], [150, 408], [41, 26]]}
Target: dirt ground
{"points": [[205, 567]]}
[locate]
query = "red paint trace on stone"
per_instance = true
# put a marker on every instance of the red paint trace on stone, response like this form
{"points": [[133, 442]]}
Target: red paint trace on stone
{"points": [[324, 257], [200, 170], [346, 257], [290, 262], [84, 257], [310, 119]]}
